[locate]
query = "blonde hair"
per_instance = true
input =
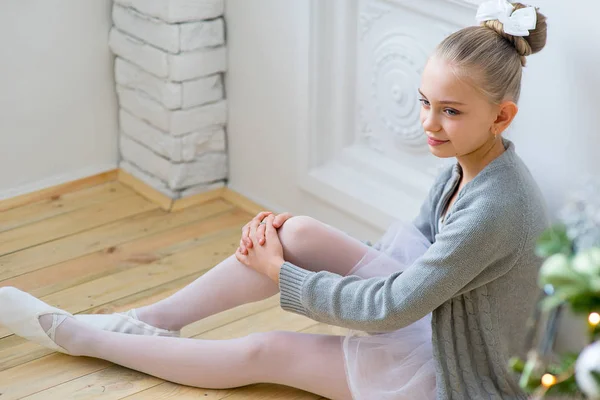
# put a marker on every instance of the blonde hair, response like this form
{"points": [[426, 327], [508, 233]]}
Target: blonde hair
{"points": [[490, 58]]}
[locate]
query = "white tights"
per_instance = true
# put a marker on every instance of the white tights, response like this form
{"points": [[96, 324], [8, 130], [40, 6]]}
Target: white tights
{"points": [[311, 362]]}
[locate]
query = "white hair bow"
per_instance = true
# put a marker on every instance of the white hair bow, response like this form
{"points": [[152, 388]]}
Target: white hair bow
{"points": [[517, 23]]}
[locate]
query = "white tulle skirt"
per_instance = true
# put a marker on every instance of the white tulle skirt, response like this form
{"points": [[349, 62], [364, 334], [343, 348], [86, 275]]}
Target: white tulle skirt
{"points": [[393, 365]]}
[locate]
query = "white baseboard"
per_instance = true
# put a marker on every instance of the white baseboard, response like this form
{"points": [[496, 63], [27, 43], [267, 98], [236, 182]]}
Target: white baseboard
{"points": [[56, 180]]}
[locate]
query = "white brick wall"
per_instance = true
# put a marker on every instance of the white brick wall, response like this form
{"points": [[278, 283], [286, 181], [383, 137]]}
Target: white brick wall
{"points": [[201, 91], [161, 187], [174, 67], [151, 30], [177, 10], [193, 64], [168, 70], [172, 95], [175, 122], [203, 142], [172, 38], [195, 35], [177, 149], [168, 93], [207, 168], [149, 179]]}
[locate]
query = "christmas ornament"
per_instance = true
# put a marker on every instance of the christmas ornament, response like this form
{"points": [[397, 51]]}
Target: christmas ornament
{"points": [[587, 371]]}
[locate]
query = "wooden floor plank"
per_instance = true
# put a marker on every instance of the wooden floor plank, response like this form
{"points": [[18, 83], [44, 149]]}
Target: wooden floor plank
{"points": [[115, 286], [200, 198], [173, 391], [270, 392], [58, 205], [16, 351], [167, 391], [158, 198], [58, 190], [104, 237], [46, 372], [73, 222], [109, 384]]}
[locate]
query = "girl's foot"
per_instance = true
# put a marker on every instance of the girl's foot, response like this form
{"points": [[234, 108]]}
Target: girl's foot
{"points": [[39, 322], [127, 322]]}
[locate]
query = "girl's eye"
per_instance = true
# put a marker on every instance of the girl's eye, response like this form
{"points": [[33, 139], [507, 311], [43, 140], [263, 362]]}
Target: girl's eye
{"points": [[449, 111]]}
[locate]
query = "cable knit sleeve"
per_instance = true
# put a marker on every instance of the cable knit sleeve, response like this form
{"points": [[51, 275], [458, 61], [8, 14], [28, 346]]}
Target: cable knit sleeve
{"points": [[481, 241]]}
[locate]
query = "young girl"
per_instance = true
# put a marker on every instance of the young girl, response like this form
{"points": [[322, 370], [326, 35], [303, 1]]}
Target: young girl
{"points": [[436, 308]]}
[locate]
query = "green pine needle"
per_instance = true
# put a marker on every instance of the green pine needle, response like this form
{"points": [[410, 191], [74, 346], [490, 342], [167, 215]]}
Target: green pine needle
{"points": [[554, 240]]}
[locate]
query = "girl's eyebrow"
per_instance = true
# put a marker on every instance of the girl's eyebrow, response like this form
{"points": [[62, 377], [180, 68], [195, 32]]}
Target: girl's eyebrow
{"points": [[445, 101]]}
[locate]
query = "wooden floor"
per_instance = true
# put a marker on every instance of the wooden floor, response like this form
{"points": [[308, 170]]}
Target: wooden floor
{"points": [[104, 249]]}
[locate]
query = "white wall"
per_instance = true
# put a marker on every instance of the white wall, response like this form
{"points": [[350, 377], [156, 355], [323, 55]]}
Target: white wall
{"points": [[267, 92], [557, 131], [57, 103]]}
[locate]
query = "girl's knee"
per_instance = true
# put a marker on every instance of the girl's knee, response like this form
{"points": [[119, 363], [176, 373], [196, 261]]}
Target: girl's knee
{"points": [[267, 347], [296, 227]]}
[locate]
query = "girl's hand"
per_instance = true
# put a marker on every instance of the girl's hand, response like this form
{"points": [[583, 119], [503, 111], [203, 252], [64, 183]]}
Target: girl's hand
{"points": [[266, 259], [246, 243]]}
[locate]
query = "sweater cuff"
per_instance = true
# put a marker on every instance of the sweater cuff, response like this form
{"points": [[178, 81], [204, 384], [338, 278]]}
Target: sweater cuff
{"points": [[291, 282]]}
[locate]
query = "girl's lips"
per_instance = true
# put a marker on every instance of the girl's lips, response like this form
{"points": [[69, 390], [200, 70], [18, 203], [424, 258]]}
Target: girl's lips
{"points": [[434, 142]]}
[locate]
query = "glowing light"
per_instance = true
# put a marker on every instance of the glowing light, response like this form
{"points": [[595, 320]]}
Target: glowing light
{"points": [[594, 318], [548, 380]]}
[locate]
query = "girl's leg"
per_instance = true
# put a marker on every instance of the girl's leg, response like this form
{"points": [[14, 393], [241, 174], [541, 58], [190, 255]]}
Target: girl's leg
{"points": [[306, 242], [310, 362]]}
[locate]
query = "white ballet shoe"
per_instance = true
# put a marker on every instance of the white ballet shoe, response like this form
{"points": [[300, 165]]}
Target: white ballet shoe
{"points": [[20, 313], [124, 323]]}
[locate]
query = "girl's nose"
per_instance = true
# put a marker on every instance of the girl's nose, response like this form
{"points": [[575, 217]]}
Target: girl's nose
{"points": [[430, 122]]}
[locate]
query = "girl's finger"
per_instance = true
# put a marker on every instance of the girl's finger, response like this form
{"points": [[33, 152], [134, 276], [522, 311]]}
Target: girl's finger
{"points": [[239, 256], [254, 226], [260, 216], [260, 234], [280, 219], [246, 236], [243, 258], [270, 228]]}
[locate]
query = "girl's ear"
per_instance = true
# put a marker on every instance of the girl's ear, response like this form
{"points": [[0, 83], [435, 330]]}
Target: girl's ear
{"points": [[507, 111]]}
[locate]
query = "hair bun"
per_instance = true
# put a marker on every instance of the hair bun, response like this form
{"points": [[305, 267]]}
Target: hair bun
{"points": [[524, 45]]}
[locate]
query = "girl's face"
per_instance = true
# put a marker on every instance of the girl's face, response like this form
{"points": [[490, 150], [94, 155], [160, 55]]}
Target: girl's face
{"points": [[457, 118]]}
